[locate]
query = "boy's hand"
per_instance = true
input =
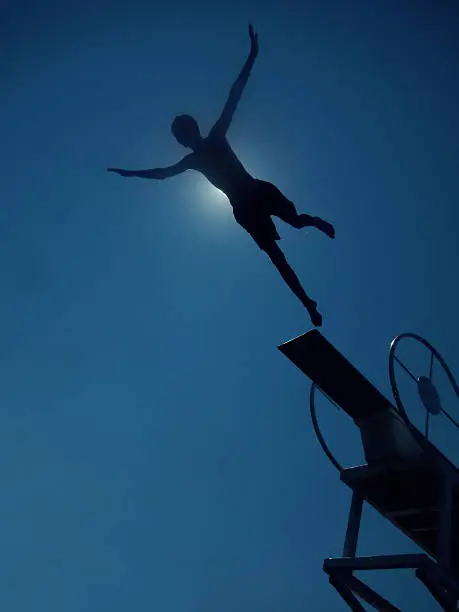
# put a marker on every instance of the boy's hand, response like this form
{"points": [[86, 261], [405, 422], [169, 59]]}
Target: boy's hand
{"points": [[253, 41], [120, 171]]}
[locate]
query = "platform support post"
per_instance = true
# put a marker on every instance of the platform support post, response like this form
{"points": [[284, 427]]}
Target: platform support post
{"points": [[446, 600], [353, 524], [444, 534], [346, 594]]}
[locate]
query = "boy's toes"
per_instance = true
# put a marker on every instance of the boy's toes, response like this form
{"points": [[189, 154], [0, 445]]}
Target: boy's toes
{"points": [[316, 318], [330, 230], [325, 227]]}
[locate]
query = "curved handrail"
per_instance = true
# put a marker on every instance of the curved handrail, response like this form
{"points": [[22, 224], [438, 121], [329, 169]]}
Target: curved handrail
{"points": [[315, 424], [393, 346], [427, 446]]}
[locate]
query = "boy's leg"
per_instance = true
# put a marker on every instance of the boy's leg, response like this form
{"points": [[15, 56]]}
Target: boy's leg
{"points": [[278, 258], [283, 208], [289, 215]]}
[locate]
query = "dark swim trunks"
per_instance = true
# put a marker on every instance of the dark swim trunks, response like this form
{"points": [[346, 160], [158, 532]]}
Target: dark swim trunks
{"points": [[253, 207]]}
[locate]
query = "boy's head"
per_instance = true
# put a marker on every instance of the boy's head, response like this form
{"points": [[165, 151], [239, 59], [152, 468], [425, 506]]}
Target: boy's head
{"points": [[186, 130]]}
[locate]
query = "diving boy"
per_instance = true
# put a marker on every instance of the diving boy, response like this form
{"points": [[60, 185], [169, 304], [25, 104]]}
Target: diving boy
{"points": [[254, 201]]}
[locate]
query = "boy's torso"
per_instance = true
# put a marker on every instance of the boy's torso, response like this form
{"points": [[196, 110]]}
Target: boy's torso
{"points": [[216, 160]]}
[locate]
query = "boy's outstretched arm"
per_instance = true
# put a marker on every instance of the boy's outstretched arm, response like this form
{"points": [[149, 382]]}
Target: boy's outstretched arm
{"points": [[157, 173], [221, 126]]}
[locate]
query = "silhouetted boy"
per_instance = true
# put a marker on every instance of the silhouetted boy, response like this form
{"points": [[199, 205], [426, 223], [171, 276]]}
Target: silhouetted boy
{"points": [[254, 201]]}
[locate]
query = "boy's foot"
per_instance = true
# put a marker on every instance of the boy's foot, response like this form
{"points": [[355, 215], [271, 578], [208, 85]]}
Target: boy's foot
{"points": [[315, 315], [324, 226]]}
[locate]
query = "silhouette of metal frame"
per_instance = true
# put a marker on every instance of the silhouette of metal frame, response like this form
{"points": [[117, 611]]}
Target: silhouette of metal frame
{"points": [[418, 493]]}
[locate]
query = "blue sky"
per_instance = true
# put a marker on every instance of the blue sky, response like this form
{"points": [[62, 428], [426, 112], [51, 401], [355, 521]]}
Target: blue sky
{"points": [[155, 447]]}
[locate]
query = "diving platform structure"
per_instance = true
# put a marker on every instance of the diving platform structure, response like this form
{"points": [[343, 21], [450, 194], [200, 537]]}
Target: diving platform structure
{"points": [[406, 478]]}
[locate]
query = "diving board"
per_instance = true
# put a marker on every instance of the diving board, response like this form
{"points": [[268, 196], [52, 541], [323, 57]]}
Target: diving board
{"points": [[316, 357]]}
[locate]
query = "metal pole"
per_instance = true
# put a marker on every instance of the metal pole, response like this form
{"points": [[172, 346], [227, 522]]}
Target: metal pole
{"points": [[353, 524], [371, 597], [447, 601], [427, 424], [444, 534], [346, 594]]}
